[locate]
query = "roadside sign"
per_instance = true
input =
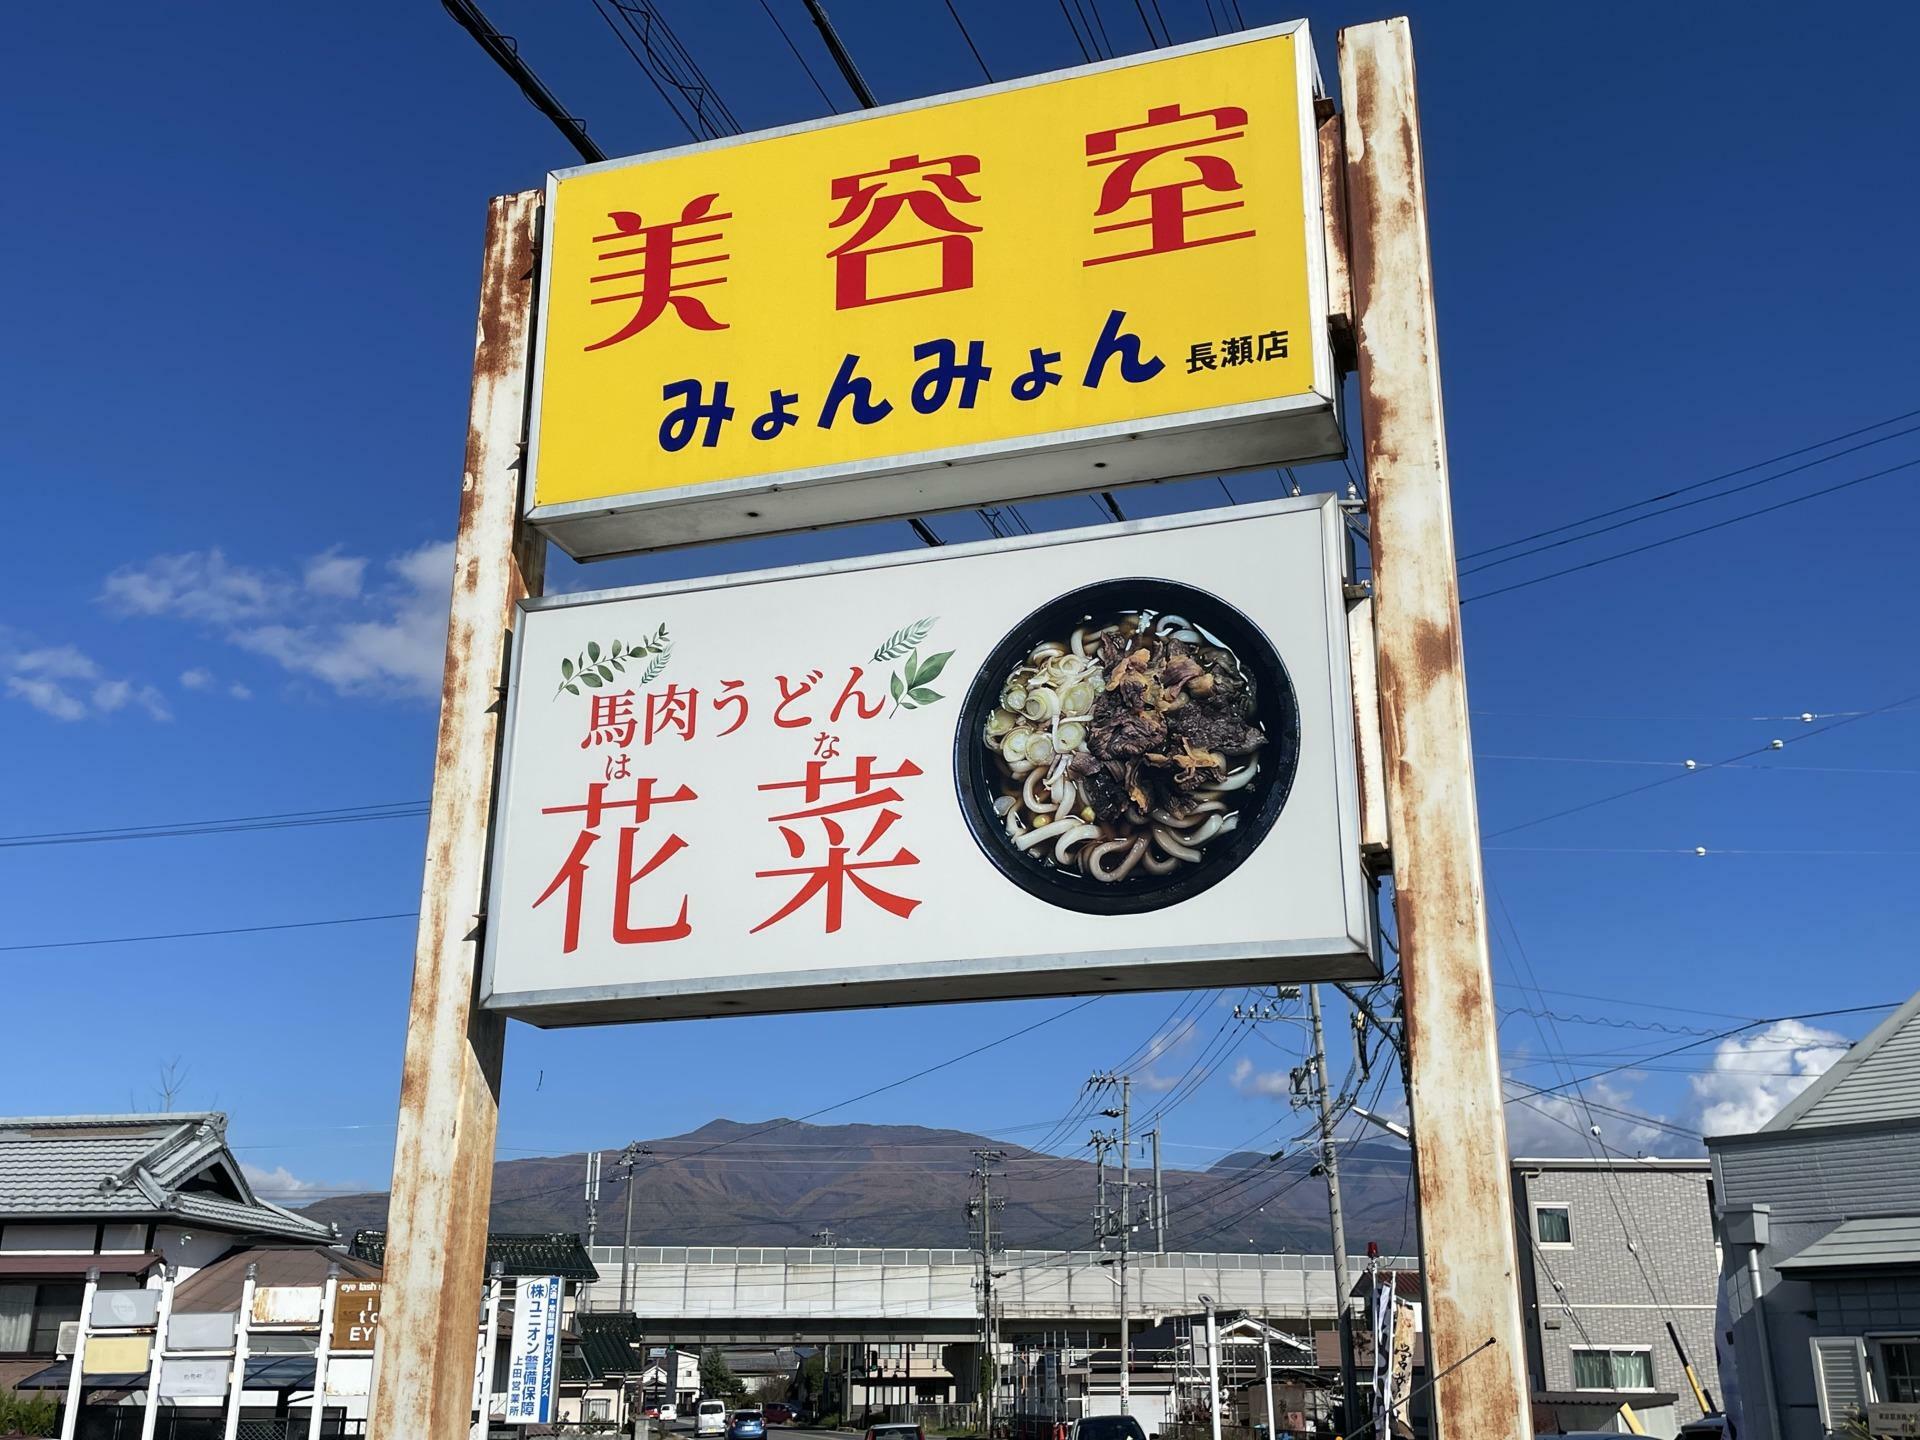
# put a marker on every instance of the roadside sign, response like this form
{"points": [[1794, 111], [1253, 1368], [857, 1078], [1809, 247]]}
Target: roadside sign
{"points": [[289, 1305], [533, 1364], [1063, 283], [1113, 759], [187, 1378], [356, 1314]]}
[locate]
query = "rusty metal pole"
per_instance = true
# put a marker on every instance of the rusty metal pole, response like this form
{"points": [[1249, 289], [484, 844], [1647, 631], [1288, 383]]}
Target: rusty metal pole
{"points": [[450, 1081], [1459, 1126]]}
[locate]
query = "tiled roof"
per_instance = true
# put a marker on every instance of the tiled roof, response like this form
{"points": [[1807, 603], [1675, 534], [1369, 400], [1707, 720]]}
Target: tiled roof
{"points": [[556, 1252], [108, 1167], [605, 1344]]}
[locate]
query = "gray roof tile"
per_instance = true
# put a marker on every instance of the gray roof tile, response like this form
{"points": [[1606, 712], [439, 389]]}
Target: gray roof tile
{"points": [[102, 1167]]}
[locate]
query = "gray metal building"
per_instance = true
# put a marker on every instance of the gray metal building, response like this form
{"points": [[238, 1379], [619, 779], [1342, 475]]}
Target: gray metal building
{"points": [[1619, 1249], [1820, 1223]]}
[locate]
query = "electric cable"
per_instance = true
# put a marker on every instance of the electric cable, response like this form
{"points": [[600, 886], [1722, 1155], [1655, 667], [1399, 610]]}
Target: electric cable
{"points": [[1681, 775], [1689, 534], [1687, 489]]}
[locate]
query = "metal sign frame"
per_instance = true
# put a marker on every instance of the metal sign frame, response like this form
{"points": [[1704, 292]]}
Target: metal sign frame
{"points": [[1349, 956], [1224, 439]]}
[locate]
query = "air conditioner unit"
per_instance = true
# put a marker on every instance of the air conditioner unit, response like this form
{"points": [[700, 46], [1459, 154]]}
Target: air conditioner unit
{"points": [[69, 1338]]}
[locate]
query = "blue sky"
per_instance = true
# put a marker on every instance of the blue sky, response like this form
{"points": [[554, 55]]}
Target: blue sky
{"points": [[244, 244]]}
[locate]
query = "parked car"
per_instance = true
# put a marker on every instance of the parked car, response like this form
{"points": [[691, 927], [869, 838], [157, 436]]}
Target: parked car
{"points": [[668, 1411], [650, 1412], [1107, 1427], [899, 1430], [778, 1412], [747, 1425], [710, 1418]]}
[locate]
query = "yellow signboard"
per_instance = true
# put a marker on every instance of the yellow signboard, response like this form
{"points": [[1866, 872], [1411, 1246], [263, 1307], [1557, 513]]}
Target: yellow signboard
{"points": [[116, 1355], [1063, 284]]}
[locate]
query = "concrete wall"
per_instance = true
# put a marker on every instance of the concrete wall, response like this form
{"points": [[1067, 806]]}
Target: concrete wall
{"points": [[801, 1284]]}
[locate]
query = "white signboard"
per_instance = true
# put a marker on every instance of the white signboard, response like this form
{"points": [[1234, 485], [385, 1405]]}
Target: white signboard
{"points": [[194, 1378], [533, 1363], [1118, 759]]}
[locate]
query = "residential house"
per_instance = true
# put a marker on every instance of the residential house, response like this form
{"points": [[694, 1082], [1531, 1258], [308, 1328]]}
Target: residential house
{"points": [[121, 1196], [1617, 1250], [1819, 1215]]}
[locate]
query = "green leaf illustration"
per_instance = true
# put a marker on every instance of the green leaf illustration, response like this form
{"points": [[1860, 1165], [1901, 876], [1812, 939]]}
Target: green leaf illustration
{"points": [[593, 650], [924, 696], [656, 665], [897, 686], [930, 668], [566, 669], [903, 640], [590, 680], [614, 651], [571, 689]]}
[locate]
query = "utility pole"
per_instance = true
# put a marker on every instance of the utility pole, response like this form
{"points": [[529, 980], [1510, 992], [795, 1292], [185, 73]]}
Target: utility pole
{"points": [[1330, 1163], [984, 1208], [593, 1196], [1159, 1199], [1125, 1116], [1213, 1368], [1459, 1127], [629, 1157], [1102, 1142]]}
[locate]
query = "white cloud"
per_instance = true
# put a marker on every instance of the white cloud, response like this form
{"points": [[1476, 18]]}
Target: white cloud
{"points": [[112, 695], [401, 650], [1169, 1041], [326, 622], [1755, 1076], [335, 574], [68, 684], [194, 585], [1249, 1079], [46, 697], [281, 1185], [58, 662], [196, 678], [1553, 1125]]}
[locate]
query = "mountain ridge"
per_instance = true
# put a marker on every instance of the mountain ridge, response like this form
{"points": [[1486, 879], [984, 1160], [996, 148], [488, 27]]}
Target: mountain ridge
{"points": [[782, 1182]]}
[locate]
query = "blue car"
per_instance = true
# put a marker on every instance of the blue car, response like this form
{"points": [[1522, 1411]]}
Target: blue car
{"points": [[747, 1425]]}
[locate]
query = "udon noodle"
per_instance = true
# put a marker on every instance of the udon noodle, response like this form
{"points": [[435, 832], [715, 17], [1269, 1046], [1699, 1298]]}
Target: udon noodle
{"points": [[1124, 748]]}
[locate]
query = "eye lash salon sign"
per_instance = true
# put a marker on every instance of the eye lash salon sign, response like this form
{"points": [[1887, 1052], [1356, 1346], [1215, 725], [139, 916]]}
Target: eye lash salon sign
{"points": [[1112, 759], [1065, 282]]}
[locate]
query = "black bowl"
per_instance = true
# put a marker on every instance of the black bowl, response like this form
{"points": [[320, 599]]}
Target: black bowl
{"points": [[1277, 710]]}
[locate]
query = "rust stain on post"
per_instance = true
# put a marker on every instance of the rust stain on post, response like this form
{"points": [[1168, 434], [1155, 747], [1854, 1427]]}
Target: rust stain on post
{"points": [[1333, 210], [1459, 1126], [449, 1082]]}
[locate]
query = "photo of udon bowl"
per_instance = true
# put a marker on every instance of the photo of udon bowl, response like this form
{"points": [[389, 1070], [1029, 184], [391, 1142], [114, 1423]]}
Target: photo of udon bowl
{"points": [[1126, 746]]}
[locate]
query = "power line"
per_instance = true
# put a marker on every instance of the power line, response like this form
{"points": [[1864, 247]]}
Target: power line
{"points": [[1687, 504], [1686, 489], [284, 820], [505, 53], [1690, 534], [968, 37], [1681, 775], [202, 934], [798, 56]]}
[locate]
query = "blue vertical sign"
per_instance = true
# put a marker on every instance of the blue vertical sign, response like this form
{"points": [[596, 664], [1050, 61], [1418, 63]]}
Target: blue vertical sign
{"points": [[534, 1361]]}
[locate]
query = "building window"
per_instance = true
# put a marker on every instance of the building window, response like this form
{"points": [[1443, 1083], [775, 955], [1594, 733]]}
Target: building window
{"points": [[1615, 1369], [31, 1316], [1900, 1369], [1553, 1224], [599, 1410]]}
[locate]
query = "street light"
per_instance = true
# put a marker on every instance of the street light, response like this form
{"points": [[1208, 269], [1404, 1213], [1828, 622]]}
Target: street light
{"points": [[1213, 1368]]}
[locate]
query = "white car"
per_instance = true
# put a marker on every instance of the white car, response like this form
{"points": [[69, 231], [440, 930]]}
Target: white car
{"points": [[669, 1412], [710, 1418]]}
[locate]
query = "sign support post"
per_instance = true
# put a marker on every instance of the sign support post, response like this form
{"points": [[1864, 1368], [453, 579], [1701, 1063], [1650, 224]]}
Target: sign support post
{"points": [[449, 1085], [1459, 1129]]}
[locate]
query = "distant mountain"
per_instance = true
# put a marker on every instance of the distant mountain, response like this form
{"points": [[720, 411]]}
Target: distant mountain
{"points": [[779, 1182]]}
